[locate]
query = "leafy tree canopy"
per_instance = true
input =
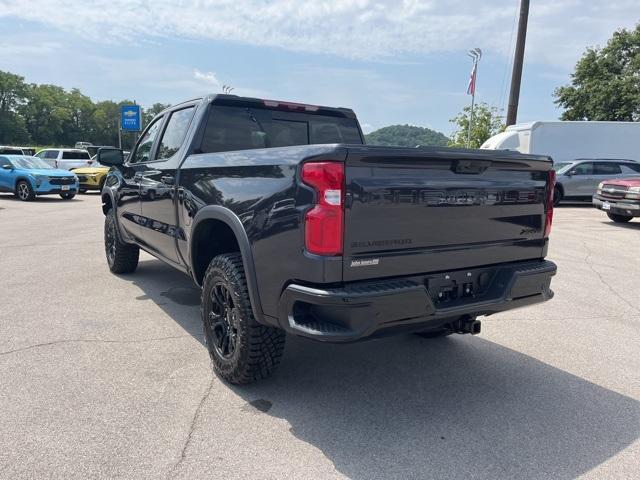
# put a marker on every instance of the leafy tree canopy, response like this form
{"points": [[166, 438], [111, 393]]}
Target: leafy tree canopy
{"points": [[406, 136], [50, 115], [487, 122], [606, 82]]}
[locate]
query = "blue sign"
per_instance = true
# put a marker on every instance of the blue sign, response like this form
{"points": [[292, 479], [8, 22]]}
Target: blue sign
{"points": [[130, 118]]}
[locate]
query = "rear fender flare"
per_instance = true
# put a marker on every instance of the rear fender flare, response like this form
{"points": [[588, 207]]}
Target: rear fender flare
{"points": [[108, 192], [215, 212]]}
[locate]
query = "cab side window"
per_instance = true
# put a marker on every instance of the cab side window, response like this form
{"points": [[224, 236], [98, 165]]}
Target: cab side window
{"points": [[143, 151], [175, 132], [585, 168]]}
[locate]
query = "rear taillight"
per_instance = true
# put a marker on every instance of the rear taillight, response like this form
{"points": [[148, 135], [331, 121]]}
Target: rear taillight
{"points": [[323, 224], [551, 186]]}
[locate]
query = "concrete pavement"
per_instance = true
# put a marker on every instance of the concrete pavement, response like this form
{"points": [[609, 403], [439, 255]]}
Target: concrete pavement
{"points": [[105, 376]]}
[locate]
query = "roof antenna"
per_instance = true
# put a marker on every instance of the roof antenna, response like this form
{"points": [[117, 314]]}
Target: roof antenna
{"points": [[227, 89]]}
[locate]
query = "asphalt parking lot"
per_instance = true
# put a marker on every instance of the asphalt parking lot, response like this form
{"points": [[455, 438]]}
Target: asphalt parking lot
{"points": [[106, 377]]}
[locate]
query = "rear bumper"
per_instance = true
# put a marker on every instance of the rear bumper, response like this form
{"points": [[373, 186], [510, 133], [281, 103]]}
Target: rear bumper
{"points": [[628, 208], [364, 309]]}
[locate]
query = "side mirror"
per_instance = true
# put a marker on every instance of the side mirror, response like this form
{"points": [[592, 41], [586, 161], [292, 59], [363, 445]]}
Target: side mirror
{"points": [[8, 167], [110, 156]]}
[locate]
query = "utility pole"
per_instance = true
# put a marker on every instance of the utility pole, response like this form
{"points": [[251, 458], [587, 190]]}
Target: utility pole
{"points": [[518, 59], [476, 55]]}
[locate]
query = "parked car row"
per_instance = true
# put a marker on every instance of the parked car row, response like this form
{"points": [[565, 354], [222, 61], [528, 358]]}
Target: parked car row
{"points": [[27, 177], [579, 179], [63, 171], [14, 150]]}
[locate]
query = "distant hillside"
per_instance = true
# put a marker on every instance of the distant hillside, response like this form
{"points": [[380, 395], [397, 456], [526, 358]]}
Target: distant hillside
{"points": [[406, 136]]}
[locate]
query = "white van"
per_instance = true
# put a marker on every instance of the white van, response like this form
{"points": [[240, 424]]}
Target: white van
{"points": [[567, 141]]}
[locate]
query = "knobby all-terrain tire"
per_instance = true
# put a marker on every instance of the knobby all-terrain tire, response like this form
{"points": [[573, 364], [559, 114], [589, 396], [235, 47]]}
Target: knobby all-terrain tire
{"points": [[619, 218], [251, 351], [24, 191], [121, 257]]}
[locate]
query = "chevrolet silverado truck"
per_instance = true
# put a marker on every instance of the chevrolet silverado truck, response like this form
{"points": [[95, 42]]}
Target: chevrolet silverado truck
{"points": [[291, 224], [619, 198]]}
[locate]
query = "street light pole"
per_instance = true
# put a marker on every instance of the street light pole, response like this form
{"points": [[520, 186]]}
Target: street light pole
{"points": [[518, 60]]}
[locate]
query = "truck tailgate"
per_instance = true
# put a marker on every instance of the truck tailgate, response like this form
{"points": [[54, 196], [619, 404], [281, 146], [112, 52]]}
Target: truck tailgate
{"points": [[413, 211]]}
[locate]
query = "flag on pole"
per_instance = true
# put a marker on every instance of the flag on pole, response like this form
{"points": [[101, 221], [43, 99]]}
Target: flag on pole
{"points": [[471, 89]]}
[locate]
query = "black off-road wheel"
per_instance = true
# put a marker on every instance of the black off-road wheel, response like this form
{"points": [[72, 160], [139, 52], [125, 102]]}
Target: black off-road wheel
{"points": [[24, 191], [121, 257], [619, 218], [242, 350], [67, 196]]}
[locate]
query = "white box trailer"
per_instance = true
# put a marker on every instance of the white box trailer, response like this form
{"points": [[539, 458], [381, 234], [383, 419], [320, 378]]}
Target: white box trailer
{"points": [[565, 141]]}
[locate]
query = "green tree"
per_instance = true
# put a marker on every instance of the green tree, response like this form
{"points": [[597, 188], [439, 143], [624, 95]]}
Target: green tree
{"points": [[81, 125], [486, 123], [46, 114], [606, 82], [149, 113], [406, 136], [13, 94]]}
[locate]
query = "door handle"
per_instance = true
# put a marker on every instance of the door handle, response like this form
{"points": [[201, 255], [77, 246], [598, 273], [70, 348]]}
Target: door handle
{"points": [[168, 179]]}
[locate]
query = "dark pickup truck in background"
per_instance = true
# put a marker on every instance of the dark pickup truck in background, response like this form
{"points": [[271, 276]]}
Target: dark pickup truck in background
{"points": [[291, 224]]}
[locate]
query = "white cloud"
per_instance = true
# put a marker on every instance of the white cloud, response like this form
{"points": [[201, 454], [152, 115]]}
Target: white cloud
{"points": [[208, 78], [364, 29]]}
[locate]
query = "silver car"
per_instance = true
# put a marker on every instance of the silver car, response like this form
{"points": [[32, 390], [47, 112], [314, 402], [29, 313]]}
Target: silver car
{"points": [[579, 179]]}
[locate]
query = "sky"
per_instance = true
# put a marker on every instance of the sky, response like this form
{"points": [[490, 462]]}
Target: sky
{"points": [[392, 61]]}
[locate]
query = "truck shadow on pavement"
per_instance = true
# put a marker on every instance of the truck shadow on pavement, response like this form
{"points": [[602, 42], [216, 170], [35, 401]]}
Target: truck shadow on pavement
{"points": [[407, 407]]}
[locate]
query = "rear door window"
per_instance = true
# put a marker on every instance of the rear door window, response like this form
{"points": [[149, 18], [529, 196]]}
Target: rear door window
{"points": [[175, 132], [51, 154], [607, 168], [585, 168]]}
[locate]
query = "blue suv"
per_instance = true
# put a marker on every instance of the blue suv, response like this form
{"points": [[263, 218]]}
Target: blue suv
{"points": [[27, 177]]}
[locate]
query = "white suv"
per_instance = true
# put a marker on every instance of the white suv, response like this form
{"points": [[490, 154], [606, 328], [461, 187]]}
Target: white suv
{"points": [[66, 158]]}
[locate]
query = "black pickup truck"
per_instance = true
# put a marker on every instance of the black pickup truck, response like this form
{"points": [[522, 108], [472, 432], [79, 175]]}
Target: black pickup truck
{"points": [[291, 224]]}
